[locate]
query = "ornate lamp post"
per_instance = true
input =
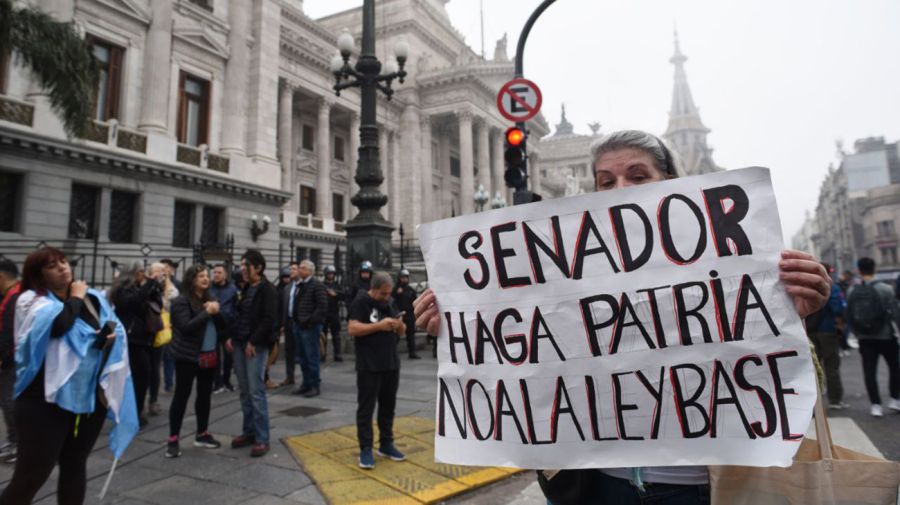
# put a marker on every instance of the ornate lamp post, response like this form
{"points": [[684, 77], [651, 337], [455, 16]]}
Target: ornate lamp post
{"points": [[498, 202], [368, 234], [481, 197]]}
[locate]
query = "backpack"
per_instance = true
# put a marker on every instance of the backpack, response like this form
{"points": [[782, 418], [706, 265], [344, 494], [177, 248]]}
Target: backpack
{"points": [[866, 313]]}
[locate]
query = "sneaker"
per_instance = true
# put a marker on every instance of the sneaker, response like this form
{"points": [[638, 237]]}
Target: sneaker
{"points": [[219, 390], [154, 409], [876, 410], [313, 391], [270, 384], [259, 450], [242, 441], [389, 451], [10, 459], [172, 449], [206, 441], [894, 404], [229, 387], [338, 359], [302, 390], [838, 405], [366, 460], [287, 382], [7, 449]]}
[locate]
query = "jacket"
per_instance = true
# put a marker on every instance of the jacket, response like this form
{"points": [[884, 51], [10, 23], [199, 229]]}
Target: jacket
{"points": [[7, 325], [189, 329], [227, 297], [310, 303], [889, 302], [263, 315], [132, 307], [334, 301]]}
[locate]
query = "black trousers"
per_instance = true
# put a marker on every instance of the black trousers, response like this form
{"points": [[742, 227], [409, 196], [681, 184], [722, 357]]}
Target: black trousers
{"points": [[410, 321], [156, 359], [333, 326], [224, 366], [47, 437], [870, 351], [375, 387], [139, 357], [185, 373], [290, 358]]}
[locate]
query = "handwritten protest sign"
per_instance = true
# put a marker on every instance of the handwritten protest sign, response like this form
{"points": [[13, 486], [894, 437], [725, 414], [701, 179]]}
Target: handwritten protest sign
{"points": [[636, 327]]}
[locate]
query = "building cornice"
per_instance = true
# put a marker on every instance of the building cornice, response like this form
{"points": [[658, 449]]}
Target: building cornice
{"points": [[34, 145], [307, 234]]}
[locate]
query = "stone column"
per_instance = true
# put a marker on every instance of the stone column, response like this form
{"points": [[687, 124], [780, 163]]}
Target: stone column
{"points": [[467, 169], [498, 167], [484, 158], [233, 131], [427, 168], [323, 157], [534, 171], [408, 171], [396, 189], [354, 159], [157, 65], [385, 169], [444, 169], [285, 138]]}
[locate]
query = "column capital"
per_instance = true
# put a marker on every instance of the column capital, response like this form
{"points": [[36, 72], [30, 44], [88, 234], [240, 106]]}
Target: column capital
{"points": [[285, 84], [464, 115], [325, 103]]}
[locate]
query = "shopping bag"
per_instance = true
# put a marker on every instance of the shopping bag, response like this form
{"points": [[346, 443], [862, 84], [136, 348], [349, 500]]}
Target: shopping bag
{"points": [[822, 474], [164, 336]]}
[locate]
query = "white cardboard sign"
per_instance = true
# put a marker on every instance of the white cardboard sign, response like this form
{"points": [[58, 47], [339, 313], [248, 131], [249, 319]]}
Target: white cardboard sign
{"points": [[645, 326]]}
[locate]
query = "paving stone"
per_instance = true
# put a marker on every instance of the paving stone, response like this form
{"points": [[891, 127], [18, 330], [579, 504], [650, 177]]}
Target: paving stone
{"points": [[309, 495], [179, 489], [266, 478]]}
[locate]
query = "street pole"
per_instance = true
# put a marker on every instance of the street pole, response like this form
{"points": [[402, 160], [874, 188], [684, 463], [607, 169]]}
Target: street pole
{"points": [[369, 233], [522, 195]]}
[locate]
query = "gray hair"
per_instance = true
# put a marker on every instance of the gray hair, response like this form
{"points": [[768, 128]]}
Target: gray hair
{"points": [[380, 279], [666, 160], [308, 264]]}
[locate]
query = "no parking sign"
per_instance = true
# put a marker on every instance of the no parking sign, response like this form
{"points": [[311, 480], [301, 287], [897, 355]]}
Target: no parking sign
{"points": [[519, 100]]}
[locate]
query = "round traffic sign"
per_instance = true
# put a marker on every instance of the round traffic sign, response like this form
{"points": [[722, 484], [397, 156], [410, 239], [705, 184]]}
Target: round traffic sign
{"points": [[519, 100]]}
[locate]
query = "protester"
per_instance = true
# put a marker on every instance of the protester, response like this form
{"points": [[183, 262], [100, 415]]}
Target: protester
{"points": [[160, 273], [62, 397], [403, 295], [872, 312], [824, 329], [335, 294], [306, 310], [197, 327], [9, 293], [628, 158], [250, 341], [361, 285], [172, 271], [224, 292], [284, 280], [285, 309], [138, 303], [375, 325]]}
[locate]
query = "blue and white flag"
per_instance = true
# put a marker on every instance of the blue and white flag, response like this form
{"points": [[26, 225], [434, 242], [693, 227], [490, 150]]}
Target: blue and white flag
{"points": [[72, 365]]}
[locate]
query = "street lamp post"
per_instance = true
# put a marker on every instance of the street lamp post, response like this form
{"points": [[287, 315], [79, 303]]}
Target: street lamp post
{"points": [[368, 234], [481, 198]]}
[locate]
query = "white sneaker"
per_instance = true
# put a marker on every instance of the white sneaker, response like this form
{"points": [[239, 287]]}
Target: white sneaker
{"points": [[838, 406], [894, 404], [876, 410]]}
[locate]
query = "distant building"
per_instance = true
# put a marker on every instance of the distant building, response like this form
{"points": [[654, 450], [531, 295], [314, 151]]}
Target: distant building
{"points": [[565, 162], [803, 239]]}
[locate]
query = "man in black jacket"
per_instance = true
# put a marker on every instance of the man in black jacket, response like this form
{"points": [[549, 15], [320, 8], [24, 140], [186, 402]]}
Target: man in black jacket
{"points": [[250, 341], [403, 295], [335, 294], [307, 306]]}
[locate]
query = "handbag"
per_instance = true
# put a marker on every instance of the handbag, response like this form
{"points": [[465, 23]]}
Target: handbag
{"points": [[822, 474], [164, 336], [208, 359]]}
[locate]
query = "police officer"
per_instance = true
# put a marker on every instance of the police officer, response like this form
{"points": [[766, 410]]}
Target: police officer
{"points": [[335, 294], [362, 282], [404, 294]]}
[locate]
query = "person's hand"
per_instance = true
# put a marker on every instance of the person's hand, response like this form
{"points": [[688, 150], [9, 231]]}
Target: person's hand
{"points": [[428, 316], [806, 280], [212, 308], [399, 291], [229, 346], [331, 292], [78, 289], [250, 350]]}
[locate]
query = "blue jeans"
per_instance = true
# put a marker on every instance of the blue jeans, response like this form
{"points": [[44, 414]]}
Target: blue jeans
{"points": [[306, 347], [250, 374]]}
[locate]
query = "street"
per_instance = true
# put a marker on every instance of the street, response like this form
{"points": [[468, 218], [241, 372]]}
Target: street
{"points": [[226, 476]]}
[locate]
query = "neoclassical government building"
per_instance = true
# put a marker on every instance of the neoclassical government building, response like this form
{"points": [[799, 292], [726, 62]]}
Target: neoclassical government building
{"points": [[216, 129]]}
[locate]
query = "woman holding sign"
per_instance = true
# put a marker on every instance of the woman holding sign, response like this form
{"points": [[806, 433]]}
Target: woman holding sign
{"points": [[622, 159]]}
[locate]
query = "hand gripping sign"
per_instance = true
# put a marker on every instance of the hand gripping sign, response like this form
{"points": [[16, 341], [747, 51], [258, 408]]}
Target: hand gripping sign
{"points": [[637, 327]]}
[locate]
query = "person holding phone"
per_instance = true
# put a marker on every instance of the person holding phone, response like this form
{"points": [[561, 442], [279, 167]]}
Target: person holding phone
{"points": [[69, 368]]}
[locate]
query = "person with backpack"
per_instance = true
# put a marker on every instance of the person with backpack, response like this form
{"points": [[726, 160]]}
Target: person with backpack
{"points": [[824, 328], [872, 312]]}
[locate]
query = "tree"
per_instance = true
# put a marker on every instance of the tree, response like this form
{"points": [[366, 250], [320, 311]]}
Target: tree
{"points": [[59, 59]]}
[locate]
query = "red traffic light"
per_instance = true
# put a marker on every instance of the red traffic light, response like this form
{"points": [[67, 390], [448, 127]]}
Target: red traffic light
{"points": [[514, 136]]}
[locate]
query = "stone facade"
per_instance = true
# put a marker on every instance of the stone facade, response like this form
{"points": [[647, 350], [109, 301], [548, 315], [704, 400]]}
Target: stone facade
{"points": [[880, 222]]}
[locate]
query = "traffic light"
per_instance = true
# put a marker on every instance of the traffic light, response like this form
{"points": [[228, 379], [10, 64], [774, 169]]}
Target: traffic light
{"points": [[515, 157]]}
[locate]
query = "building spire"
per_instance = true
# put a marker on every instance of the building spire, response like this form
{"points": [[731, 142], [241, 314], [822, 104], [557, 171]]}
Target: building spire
{"points": [[564, 127], [686, 131]]}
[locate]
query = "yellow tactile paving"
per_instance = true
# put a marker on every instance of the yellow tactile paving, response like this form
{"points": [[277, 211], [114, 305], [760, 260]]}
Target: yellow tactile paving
{"points": [[330, 458]]}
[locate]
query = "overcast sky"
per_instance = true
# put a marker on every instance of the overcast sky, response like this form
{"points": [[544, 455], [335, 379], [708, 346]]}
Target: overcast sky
{"points": [[777, 82]]}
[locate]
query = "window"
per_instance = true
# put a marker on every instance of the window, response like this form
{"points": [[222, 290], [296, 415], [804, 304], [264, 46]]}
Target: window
{"points": [[337, 207], [889, 255], [122, 207], [309, 137], [209, 233], [315, 255], [885, 228], [10, 189], [83, 213], [339, 148], [307, 200], [205, 4], [454, 167], [183, 224], [193, 110], [109, 59]]}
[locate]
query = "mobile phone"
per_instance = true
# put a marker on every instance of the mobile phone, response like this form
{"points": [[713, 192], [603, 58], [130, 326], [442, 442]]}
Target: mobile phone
{"points": [[108, 329]]}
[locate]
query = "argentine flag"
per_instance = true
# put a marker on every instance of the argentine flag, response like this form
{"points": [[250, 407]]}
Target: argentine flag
{"points": [[72, 365]]}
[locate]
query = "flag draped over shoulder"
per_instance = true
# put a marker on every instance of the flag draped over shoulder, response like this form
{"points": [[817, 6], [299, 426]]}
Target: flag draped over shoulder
{"points": [[73, 367]]}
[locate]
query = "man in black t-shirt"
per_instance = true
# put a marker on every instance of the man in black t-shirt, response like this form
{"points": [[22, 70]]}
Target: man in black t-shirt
{"points": [[375, 325]]}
